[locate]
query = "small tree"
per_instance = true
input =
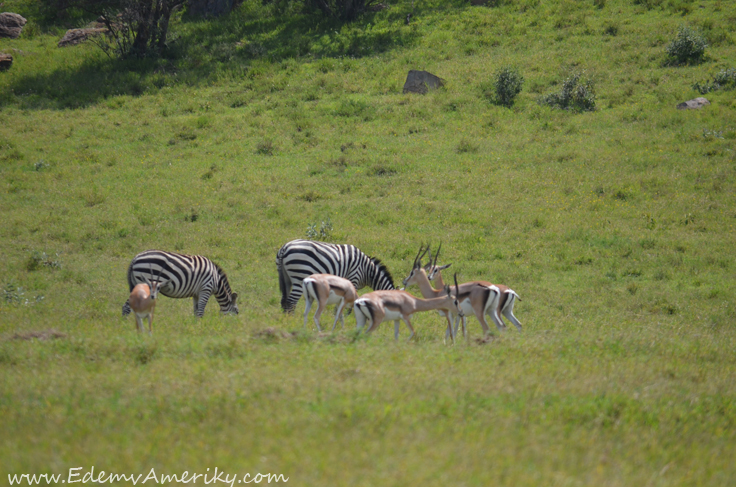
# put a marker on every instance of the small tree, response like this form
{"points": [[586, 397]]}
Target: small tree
{"points": [[507, 83], [688, 47], [577, 94], [136, 27]]}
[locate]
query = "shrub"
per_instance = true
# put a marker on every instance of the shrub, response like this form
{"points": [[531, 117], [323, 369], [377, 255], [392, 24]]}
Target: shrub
{"points": [[324, 230], [507, 84], [688, 47], [725, 80], [577, 94]]}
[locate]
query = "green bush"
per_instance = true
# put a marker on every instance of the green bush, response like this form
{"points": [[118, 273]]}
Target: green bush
{"points": [[687, 48], [577, 94], [507, 84], [724, 80]]}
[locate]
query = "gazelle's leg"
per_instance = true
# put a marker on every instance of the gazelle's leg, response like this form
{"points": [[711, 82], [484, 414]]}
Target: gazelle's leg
{"points": [[150, 323], [307, 307], [321, 305], [138, 323], [359, 317], [493, 314], [407, 320], [479, 311], [396, 330], [508, 312], [338, 314]]}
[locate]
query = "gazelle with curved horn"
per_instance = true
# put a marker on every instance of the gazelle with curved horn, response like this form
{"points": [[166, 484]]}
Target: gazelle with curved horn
{"points": [[378, 306], [143, 300], [504, 306], [418, 276], [328, 289]]}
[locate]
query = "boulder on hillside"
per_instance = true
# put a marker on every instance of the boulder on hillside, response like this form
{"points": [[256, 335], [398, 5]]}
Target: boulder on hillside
{"points": [[694, 104], [6, 60], [11, 25], [75, 36], [421, 82]]}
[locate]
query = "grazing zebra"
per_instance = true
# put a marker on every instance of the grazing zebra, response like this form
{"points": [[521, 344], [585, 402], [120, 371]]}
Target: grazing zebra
{"points": [[189, 276], [302, 258]]}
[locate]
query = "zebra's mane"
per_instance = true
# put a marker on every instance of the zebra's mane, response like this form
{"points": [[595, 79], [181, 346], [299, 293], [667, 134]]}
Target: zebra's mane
{"points": [[381, 267], [223, 277]]}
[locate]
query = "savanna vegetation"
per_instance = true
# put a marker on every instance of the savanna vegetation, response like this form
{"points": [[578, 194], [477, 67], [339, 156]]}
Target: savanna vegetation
{"points": [[612, 216]]}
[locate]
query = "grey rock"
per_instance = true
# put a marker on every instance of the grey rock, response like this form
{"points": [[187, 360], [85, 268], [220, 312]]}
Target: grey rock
{"points": [[421, 82], [694, 104], [11, 25]]}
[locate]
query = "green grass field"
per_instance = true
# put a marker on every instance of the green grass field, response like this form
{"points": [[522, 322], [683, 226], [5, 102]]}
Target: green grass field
{"points": [[616, 228]]}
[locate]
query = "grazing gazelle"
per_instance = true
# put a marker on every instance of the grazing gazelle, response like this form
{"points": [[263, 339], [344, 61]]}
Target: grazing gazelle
{"points": [[506, 298], [379, 306], [328, 289], [143, 301]]}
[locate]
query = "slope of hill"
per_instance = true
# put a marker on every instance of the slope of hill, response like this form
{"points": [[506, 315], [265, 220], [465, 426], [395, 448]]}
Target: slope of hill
{"points": [[615, 226]]}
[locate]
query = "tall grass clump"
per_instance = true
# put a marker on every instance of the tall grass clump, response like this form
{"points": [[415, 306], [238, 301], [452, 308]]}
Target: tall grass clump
{"points": [[507, 84], [577, 94], [688, 47]]}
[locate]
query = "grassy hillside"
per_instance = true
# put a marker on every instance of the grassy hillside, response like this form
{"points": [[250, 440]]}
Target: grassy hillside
{"points": [[616, 227]]}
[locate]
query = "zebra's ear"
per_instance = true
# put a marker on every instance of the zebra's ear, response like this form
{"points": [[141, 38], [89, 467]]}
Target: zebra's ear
{"points": [[234, 296]]}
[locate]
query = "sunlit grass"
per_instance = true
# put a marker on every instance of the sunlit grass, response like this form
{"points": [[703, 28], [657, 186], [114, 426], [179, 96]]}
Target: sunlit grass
{"points": [[616, 228]]}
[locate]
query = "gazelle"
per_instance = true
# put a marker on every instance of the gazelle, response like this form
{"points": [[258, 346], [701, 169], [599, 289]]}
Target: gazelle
{"points": [[328, 289], [143, 301], [504, 303], [418, 276], [379, 306]]}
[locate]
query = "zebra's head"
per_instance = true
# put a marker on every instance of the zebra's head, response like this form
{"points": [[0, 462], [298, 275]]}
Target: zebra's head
{"points": [[226, 298], [231, 307]]}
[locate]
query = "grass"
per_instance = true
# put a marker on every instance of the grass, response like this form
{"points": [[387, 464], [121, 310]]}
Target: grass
{"points": [[616, 228]]}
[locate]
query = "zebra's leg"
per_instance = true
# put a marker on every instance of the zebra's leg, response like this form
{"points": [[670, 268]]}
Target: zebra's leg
{"points": [[204, 296], [126, 308], [195, 300], [294, 295]]}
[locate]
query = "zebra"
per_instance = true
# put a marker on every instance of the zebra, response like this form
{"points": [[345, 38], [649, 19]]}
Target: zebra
{"points": [[190, 276], [302, 258]]}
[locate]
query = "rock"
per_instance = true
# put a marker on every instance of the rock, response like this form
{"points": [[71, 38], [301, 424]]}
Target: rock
{"points": [[697, 103], [6, 60], [75, 36], [421, 82], [11, 25]]}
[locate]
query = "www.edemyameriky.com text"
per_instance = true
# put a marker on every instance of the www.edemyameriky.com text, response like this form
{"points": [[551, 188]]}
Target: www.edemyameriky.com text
{"points": [[77, 475]]}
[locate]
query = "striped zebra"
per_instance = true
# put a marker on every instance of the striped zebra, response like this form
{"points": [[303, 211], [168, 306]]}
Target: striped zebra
{"points": [[302, 258], [190, 276]]}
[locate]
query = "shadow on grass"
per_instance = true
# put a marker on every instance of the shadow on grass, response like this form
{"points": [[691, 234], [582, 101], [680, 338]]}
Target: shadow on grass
{"points": [[202, 51]]}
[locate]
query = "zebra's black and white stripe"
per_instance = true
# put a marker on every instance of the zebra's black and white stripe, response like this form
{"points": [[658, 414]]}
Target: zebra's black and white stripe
{"points": [[302, 258], [190, 276]]}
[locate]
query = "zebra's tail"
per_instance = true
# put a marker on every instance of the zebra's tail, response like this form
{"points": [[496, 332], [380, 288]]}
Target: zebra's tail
{"points": [[131, 285], [284, 282]]}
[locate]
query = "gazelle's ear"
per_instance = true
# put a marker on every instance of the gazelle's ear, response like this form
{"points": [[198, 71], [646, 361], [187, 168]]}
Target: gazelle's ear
{"points": [[442, 268]]}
